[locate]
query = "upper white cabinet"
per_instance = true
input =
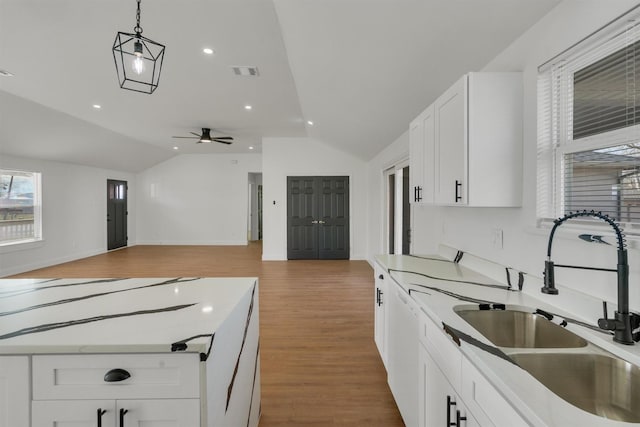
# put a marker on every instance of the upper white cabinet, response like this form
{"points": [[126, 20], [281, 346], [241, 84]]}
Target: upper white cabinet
{"points": [[478, 141], [421, 150]]}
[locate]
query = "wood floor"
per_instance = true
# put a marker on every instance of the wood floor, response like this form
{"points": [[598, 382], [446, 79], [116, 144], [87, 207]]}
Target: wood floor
{"points": [[320, 366]]}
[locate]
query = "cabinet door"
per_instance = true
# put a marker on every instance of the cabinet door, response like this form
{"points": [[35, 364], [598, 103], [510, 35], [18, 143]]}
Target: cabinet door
{"points": [[438, 403], [428, 155], [76, 413], [416, 158], [402, 348], [14, 391], [451, 145], [158, 413], [380, 317]]}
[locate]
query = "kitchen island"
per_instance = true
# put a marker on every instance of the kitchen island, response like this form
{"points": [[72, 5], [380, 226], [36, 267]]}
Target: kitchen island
{"points": [[118, 352]]}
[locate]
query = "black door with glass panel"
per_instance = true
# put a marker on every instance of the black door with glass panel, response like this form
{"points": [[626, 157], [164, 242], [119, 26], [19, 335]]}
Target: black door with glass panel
{"points": [[318, 217], [116, 214]]}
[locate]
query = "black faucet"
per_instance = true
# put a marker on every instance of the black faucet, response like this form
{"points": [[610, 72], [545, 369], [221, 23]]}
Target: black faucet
{"points": [[624, 323]]}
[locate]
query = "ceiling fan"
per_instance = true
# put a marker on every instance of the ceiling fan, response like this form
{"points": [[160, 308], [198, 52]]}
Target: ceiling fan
{"points": [[206, 137]]}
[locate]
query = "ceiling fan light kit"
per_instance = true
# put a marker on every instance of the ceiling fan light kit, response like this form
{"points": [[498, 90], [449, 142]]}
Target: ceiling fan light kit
{"points": [[138, 59]]}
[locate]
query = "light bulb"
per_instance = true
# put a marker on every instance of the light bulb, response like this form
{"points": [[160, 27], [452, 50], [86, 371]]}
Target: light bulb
{"points": [[138, 62], [138, 65]]}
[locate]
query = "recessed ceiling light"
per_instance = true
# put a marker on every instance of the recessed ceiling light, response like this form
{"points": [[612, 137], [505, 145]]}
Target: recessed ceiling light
{"points": [[207, 309], [175, 148], [5, 73], [208, 50], [309, 122], [251, 148], [248, 107], [97, 106]]}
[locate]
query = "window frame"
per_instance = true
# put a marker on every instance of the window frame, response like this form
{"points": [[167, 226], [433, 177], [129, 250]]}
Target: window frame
{"points": [[555, 118], [37, 210]]}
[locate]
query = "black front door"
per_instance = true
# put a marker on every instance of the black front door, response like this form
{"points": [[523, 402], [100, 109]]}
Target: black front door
{"points": [[318, 217], [116, 214]]}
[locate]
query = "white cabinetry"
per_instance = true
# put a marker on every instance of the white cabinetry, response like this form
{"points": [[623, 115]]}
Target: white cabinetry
{"points": [[421, 151], [120, 413], [127, 389], [439, 404], [403, 352], [478, 141], [14, 391], [380, 312]]}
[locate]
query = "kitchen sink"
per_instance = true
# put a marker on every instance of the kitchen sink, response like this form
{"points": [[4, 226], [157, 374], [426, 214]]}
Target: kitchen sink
{"points": [[600, 384], [519, 329]]}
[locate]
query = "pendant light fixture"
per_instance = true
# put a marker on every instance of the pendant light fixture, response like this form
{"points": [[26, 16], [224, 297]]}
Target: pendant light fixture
{"points": [[138, 59]]}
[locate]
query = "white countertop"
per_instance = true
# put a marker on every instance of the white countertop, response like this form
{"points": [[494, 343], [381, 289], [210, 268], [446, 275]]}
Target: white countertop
{"points": [[114, 315], [535, 402]]}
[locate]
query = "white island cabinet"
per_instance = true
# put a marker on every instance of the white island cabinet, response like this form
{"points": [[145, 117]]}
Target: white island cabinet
{"points": [[130, 352], [14, 391]]}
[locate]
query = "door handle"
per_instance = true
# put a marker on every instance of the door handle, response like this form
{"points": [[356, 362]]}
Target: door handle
{"points": [[101, 412], [320, 222], [122, 414], [314, 221]]}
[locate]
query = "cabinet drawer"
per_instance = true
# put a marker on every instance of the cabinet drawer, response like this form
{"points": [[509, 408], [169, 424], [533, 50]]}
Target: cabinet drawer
{"points": [[83, 376], [442, 349], [486, 403]]}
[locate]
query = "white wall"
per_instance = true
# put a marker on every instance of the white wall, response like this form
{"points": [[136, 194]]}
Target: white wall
{"points": [[74, 213], [282, 157], [196, 199], [524, 245]]}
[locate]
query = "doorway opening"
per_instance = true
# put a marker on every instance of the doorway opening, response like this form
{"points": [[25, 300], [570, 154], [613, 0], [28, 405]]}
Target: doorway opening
{"points": [[397, 217], [254, 216], [117, 214]]}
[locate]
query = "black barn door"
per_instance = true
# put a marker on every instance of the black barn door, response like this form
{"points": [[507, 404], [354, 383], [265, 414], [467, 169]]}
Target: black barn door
{"points": [[318, 217], [116, 214]]}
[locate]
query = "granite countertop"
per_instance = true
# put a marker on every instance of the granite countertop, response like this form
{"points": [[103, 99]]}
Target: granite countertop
{"points": [[437, 298], [115, 315]]}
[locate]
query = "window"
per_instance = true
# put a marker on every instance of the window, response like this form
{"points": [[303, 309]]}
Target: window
{"points": [[20, 209], [589, 126]]}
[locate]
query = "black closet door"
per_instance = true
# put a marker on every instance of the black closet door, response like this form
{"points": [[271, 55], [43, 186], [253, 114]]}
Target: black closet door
{"points": [[318, 217]]}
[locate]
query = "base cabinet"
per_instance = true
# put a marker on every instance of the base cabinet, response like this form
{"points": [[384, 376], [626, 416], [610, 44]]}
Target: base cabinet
{"points": [[380, 313], [14, 391], [116, 413], [438, 402]]}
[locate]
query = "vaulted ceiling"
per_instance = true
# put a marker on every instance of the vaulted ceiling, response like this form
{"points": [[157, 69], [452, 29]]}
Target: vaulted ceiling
{"points": [[359, 69]]}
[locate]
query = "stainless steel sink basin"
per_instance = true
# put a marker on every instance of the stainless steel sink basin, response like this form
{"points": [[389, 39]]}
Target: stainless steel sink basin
{"points": [[603, 385], [520, 329]]}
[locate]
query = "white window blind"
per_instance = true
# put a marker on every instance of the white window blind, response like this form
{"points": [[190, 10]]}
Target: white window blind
{"points": [[589, 126]]}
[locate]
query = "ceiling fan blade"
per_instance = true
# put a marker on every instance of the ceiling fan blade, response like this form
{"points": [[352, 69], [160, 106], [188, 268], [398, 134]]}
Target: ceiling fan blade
{"points": [[221, 141], [230, 138], [185, 137], [196, 134]]}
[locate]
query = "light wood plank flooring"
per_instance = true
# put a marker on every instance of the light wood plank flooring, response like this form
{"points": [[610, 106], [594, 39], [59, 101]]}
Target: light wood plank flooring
{"points": [[320, 366]]}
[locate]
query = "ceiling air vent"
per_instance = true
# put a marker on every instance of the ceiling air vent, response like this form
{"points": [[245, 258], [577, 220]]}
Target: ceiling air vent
{"points": [[245, 70]]}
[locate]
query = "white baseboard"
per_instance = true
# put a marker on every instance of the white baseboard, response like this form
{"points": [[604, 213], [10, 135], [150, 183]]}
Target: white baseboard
{"points": [[48, 263]]}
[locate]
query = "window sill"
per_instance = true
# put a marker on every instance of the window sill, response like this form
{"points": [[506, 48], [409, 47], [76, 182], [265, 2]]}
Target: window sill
{"points": [[20, 245]]}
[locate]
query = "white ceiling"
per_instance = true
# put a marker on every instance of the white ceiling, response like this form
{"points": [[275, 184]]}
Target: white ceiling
{"points": [[360, 69]]}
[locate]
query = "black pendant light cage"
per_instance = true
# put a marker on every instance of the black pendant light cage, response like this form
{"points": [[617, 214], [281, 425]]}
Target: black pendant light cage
{"points": [[138, 59]]}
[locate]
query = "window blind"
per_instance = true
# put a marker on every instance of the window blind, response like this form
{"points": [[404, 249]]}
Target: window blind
{"points": [[589, 126]]}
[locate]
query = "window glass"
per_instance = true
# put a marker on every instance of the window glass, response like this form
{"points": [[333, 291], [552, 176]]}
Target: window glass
{"points": [[19, 206]]}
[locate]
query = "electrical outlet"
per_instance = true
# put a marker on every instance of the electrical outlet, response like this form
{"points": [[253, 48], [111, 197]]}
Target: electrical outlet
{"points": [[497, 238]]}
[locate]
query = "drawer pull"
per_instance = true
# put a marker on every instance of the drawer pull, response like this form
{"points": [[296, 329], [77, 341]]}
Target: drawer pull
{"points": [[116, 375], [101, 412], [122, 414]]}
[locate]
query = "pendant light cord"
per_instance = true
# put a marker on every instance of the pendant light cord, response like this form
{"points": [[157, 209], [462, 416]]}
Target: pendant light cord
{"points": [[138, 28]]}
